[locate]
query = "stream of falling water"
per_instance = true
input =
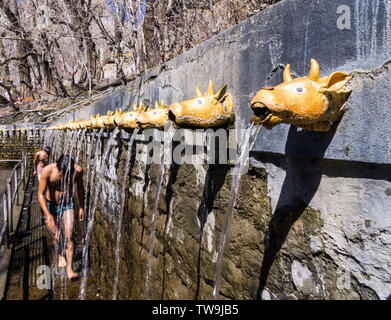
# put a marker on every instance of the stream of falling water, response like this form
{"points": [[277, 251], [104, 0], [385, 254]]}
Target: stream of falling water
{"points": [[68, 194], [119, 223], [91, 214], [164, 150], [53, 146], [58, 246], [87, 187], [47, 138], [77, 139], [245, 146]]}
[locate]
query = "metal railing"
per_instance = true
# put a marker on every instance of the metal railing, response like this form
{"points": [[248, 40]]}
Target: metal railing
{"points": [[11, 198]]}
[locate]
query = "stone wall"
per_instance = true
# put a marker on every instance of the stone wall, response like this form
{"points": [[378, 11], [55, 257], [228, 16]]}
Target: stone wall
{"points": [[301, 229], [312, 217], [183, 264]]}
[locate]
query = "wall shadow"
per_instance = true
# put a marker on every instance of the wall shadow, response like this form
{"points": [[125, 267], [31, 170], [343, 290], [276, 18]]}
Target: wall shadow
{"points": [[214, 181], [174, 168], [300, 185]]}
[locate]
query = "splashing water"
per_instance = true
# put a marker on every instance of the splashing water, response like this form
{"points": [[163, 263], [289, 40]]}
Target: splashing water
{"points": [[91, 214], [246, 143], [66, 180], [164, 150], [80, 139], [48, 138], [88, 161], [119, 224], [59, 246], [88, 212]]}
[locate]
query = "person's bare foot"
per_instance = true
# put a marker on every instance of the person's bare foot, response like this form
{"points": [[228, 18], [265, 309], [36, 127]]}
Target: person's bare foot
{"points": [[62, 263], [71, 274]]}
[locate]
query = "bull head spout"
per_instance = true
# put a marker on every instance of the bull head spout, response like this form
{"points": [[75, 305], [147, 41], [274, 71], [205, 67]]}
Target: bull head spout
{"points": [[153, 118], [311, 103], [205, 110], [127, 120]]}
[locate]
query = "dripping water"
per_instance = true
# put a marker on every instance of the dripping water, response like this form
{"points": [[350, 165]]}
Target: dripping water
{"points": [[164, 150], [87, 188], [58, 247], [119, 223], [98, 165], [67, 195], [246, 143]]}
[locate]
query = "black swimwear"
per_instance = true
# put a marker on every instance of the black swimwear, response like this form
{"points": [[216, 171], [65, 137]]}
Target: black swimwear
{"points": [[58, 209]]}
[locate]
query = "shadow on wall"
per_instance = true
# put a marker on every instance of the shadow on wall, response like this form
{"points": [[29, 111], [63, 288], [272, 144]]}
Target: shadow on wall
{"points": [[302, 180], [291, 205], [174, 168], [214, 181]]}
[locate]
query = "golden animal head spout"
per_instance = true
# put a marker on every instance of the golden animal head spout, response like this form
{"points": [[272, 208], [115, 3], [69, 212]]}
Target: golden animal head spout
{"points": [[153, 118], [83, 123], [311, 103], [73, 125], [108, 120], [205, 110], [89, 123], [97, 121], [128, 119]]}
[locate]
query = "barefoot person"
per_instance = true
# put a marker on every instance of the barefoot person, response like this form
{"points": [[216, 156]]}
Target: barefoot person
{"points": [[56, 197], [41, 160]]}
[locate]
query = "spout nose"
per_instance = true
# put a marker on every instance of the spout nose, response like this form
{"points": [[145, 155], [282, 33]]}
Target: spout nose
{"points": [[256, 101], [144, 120], [117, 119], [262, 98], [174, 111], [141, 120]]}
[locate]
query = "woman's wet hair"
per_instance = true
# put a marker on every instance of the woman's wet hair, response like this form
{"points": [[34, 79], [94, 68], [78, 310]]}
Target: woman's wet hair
{"points": [[64, 162], [47, 149]]}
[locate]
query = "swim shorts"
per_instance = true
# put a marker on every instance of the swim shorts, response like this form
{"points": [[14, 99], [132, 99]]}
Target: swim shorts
{"points": [[58, 209]]}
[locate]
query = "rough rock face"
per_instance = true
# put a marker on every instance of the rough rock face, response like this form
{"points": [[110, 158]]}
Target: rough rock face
{"points": [[311, 220]]}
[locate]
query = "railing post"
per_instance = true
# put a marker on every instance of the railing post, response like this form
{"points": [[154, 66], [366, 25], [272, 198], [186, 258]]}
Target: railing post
{"points": [[25, 169], [9, 200], [16, 187], [6, 233], [22, 174]]}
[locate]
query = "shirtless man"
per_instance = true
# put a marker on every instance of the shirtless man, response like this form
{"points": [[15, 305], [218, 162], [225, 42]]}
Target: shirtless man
{"points": [[56, 197], [41, 160]]}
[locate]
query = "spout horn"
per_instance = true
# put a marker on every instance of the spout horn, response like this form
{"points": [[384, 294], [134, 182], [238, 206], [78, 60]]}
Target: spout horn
{"points": [[314, 73], [287, 74], [211, 90], [198, 92]]}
